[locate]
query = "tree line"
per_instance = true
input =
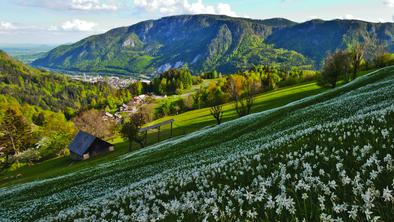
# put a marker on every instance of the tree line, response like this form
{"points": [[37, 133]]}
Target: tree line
{"points": [[345, 64]]}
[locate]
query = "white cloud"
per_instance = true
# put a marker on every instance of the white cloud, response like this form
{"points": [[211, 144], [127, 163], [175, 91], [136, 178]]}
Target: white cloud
{"points": [[225, 9], [76, 25], [389, 3], [312, 17], [5, 26], [53, 28], [349, 17], [170, 7], [81, 5], [90, 5]]}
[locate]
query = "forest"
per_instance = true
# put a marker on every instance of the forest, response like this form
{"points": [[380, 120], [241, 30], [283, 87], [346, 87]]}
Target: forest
{"points": [[35, 109]]}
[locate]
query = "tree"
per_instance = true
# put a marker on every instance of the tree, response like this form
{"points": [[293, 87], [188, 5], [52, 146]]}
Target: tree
{"points": [[217, 113], [92, 122], [56, 135], [179, 87], [136, 88], [356, 52], [269, 76], [242, 90], [186, 77], [197, 97], [39, 119], [15, 133], [131, 129], [163, 87], [246, 100], [374, 51], [215, 101], [215, 74], [336, 66]]}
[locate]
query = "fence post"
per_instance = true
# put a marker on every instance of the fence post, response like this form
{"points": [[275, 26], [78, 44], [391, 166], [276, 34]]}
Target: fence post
{"points": [[158, 134], [171, 129]]}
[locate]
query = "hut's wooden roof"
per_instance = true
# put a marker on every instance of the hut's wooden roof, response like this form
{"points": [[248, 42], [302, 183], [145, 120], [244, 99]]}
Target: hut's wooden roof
{"points": [[81, 143]]}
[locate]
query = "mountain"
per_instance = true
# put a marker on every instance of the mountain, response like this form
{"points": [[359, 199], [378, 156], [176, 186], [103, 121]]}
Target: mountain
{"points": [[208, 42], [315, 38]]}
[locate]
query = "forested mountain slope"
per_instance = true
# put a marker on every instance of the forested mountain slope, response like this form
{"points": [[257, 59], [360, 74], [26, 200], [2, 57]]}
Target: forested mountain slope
{"points": [[315, 38], [52, 91], [211, 42]]}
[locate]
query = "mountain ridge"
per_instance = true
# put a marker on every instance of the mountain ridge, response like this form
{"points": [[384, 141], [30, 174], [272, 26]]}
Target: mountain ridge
{"points": [[209, 42]]}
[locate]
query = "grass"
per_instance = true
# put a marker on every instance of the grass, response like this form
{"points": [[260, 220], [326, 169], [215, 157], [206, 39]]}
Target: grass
{"points": [[191, 121], [184, 123]]}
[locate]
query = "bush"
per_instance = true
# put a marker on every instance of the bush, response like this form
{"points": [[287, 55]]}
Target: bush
{"points": [[53, 146], [197, 80], [28, 156], [168, 108]]}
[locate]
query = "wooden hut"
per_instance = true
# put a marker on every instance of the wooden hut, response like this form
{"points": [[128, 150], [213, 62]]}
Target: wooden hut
{"points": [[85, 145]]}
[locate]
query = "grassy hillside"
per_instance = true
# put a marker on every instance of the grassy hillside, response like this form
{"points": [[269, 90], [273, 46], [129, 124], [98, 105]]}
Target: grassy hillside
{"points": [[327, 156], [184, 123]]}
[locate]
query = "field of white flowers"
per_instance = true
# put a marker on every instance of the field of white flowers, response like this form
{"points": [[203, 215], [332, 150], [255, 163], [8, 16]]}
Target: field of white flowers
{"points": [[327, 157]]}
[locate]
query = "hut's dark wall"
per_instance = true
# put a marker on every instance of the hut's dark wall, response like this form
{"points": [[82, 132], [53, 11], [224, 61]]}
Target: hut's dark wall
{"points": [[75, 156], [99, 147]]}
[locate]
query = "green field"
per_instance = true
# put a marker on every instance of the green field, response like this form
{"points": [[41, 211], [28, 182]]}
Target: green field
{"points": [[324, 157], [184, 123]]}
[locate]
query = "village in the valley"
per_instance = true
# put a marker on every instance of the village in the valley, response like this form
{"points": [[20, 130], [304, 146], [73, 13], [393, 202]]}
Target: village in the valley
{"points": [[130, 108], [115, 81]]}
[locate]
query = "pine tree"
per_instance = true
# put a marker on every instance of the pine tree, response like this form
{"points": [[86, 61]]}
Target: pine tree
{"points": [[15, 133]]}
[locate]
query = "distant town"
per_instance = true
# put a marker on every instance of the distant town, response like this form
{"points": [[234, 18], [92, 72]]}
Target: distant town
{"points": [[115, 81]]}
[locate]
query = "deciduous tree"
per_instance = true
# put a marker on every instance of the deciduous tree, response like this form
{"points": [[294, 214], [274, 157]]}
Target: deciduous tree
{"points": [[131, 129], [92, 121], [356, 52], [336, 66], [136, 88], [215, 100], [242, 89]]}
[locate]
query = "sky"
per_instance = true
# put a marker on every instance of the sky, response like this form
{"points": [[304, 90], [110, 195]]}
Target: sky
{"points": [[54, 22]]}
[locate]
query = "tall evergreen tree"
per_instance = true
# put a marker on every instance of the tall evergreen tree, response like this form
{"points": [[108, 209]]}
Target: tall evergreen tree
{"points": [[15, 133]]}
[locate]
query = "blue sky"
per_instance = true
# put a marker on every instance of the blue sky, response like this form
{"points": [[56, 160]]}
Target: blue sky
{"points": [[66, 21]]}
